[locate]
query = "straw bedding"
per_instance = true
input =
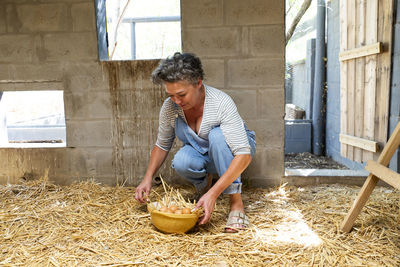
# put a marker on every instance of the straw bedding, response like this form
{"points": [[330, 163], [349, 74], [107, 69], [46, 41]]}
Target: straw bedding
{"points": [[86, 224]]}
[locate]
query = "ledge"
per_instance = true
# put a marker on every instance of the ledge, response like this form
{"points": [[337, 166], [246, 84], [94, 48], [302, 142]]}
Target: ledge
{"points": [[303, 177]]}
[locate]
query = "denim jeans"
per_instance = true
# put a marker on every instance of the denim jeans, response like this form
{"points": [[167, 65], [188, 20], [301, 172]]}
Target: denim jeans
{"points": [[194, 164]]}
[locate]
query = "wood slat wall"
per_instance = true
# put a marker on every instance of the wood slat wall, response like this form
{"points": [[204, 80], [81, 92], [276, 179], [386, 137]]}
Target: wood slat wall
{"points": [[365, 80]]}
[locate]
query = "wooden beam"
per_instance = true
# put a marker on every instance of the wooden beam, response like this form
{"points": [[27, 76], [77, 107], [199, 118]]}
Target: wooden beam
{"points": [[359, 142], [359, 203], [372, 180], [363, 51], [384, 173]]}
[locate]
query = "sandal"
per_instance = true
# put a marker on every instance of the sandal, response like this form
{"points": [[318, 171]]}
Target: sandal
{"points": [[237, 221]]}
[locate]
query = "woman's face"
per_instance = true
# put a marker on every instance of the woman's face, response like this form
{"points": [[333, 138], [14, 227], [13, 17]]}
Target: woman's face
{"points": [[185, 94]]}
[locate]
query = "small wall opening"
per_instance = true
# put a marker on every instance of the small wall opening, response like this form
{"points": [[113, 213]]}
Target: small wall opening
{"points": [[32, 119]]}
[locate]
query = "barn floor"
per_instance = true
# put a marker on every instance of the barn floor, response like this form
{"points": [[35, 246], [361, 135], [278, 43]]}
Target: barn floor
{"points": [[87, 224], [306, 160]]}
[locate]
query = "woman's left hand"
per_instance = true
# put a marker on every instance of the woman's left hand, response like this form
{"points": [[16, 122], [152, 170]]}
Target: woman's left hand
{"points": [[207, 202]]}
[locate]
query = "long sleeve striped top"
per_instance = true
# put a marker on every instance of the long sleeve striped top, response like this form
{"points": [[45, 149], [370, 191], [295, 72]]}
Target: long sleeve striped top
{"points": [[219, 110]]}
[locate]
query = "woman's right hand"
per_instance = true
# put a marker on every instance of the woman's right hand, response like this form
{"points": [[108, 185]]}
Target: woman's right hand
{"points": [[143, 190]]}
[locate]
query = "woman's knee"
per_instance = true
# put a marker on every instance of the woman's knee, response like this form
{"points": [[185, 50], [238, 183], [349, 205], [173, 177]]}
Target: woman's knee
{"points": [[185, 161]]}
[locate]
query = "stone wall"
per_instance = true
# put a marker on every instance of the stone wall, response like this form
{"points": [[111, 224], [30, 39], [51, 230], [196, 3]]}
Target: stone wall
{"points": [[111, 108]]}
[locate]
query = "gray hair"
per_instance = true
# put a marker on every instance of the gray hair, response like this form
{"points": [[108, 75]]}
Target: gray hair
{"points": [[179, 67]]}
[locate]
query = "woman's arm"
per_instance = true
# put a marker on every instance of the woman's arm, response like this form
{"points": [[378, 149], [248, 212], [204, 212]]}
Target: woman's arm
{"points": [[237, 166], [157, 158]]}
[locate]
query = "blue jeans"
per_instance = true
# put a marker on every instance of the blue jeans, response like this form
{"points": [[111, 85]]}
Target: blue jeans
{"points": [[194, 166]]}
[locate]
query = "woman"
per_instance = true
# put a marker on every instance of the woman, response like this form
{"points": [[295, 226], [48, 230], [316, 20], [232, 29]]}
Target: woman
{"points": [[215, 138]]}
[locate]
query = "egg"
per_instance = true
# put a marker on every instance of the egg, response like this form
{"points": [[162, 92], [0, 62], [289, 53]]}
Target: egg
{"points": [[178, 212], [173, 208], [165, 209], [186, 211]]}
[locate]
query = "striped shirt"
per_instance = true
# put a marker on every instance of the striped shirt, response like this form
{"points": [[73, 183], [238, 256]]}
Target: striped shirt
{"points": [[219, 110]]}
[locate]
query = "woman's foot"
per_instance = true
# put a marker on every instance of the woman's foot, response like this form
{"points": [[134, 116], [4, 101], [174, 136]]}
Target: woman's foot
{"points": [[237, 220]]}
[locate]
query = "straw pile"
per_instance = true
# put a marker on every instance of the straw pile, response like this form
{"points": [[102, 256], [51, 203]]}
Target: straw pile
{"points": [[87, 224]]}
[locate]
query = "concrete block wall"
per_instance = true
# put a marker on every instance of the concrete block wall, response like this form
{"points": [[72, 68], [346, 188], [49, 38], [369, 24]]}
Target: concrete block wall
{"points": [[111, 108], [51, 45], [241, 44]]}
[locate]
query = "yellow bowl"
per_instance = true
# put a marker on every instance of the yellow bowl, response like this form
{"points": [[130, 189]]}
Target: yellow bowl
{"points": [[171, 223]]}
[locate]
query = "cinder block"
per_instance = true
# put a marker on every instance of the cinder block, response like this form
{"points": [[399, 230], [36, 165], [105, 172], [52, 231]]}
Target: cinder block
{"points": [[3, 25], [104, 162], [12, 20], [16, 48], [253, 12], [42, 71], [202, 13], [268, 163], [83, 17], [80, 76], [256, 72], [245, 101], [43, 17], [214, 72], [269, 133], [4, 72], [212, 41], [89, 133], [99, 105], [71, 46], [271, 104], [245, 42], [71, 162], [267, 40], [139, 132], [76, 105], [87, 105]]}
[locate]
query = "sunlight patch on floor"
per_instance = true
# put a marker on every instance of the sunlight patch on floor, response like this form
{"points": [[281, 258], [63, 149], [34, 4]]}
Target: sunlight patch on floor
{"points": [[290, 226], [294, 230]]}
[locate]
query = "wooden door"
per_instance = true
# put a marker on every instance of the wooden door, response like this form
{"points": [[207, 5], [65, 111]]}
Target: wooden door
{"points": [[365, 65]]}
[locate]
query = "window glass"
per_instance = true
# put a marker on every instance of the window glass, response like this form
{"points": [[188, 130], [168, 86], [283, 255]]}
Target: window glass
{"points": [[143, 29], [32, 119]]}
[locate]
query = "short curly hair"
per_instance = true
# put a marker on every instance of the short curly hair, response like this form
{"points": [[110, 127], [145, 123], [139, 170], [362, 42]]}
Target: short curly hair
{"points": [[179, 67]]}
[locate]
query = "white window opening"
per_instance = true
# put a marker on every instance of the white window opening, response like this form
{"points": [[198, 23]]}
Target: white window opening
{"points": [[32, 119], [142, 29]]}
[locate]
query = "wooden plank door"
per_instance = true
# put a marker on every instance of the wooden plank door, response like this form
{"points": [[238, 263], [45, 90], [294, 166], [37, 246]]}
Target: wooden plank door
{"points": [[365, 64]]}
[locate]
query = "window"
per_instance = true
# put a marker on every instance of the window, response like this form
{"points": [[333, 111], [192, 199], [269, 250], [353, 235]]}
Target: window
{"points": [[32, 119], [138, 29]]}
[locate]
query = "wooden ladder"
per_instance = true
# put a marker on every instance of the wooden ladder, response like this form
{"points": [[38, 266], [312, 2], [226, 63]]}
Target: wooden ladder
{"points": [[378, 170]]}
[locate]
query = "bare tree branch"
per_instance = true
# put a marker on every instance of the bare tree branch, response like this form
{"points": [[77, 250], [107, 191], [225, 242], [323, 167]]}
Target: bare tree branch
{"points": [[304, 7]]}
